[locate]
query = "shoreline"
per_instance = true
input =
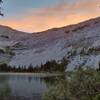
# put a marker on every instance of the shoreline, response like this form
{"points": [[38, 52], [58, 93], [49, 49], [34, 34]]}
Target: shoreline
{"points": [[31, 74]]}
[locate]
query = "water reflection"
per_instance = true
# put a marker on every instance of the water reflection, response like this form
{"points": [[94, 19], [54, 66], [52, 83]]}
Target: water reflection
{"points": [[25, 87], [5, 90]]}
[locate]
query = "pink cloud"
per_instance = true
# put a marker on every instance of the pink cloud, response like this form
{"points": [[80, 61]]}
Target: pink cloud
{"points": [[55, 16]]}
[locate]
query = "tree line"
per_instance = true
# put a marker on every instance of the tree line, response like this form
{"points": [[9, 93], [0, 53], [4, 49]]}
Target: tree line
{"points": [[49, 66]]}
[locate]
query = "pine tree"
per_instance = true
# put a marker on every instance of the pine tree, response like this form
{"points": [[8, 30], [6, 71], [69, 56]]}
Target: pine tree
{"points": [[0, 8]]}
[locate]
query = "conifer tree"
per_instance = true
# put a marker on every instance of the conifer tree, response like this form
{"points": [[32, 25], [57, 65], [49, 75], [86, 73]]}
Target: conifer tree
{"points": [[1, 14]]}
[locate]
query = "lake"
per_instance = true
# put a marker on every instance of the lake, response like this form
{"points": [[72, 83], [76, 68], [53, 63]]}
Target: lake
{"points": [[25, 86]]}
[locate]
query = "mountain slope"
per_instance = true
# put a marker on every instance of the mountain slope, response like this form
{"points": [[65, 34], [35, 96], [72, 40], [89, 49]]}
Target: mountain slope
{"points": [[80, 43]]}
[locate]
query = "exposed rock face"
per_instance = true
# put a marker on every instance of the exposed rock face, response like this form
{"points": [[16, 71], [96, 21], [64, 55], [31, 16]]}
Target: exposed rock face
{"points": [[80, 42]]}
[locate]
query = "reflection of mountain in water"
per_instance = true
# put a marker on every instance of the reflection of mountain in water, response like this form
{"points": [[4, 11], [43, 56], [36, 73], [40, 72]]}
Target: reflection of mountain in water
{"points": [[5, 90], [16, 87]]}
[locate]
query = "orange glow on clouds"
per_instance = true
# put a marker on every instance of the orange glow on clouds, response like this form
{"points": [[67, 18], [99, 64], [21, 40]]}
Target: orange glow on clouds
{"points": [[55, 16]]}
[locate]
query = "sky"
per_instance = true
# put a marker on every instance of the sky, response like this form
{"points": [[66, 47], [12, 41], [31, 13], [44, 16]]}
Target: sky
{"points": [[40, 15]]}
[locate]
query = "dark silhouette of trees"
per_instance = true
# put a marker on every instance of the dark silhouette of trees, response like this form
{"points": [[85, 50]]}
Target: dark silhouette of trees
{"points": [[54, 66], [49, 66], [1, 14]]}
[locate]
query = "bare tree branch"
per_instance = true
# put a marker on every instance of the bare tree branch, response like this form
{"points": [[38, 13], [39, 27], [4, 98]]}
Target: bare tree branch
{"points": [[1, 14]]}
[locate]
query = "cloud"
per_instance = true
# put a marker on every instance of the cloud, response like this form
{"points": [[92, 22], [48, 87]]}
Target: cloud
{"points": [[58, 15]]}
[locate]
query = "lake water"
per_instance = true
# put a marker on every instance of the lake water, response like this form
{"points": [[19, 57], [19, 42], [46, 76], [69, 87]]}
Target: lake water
{"points": [[25, 87]]}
